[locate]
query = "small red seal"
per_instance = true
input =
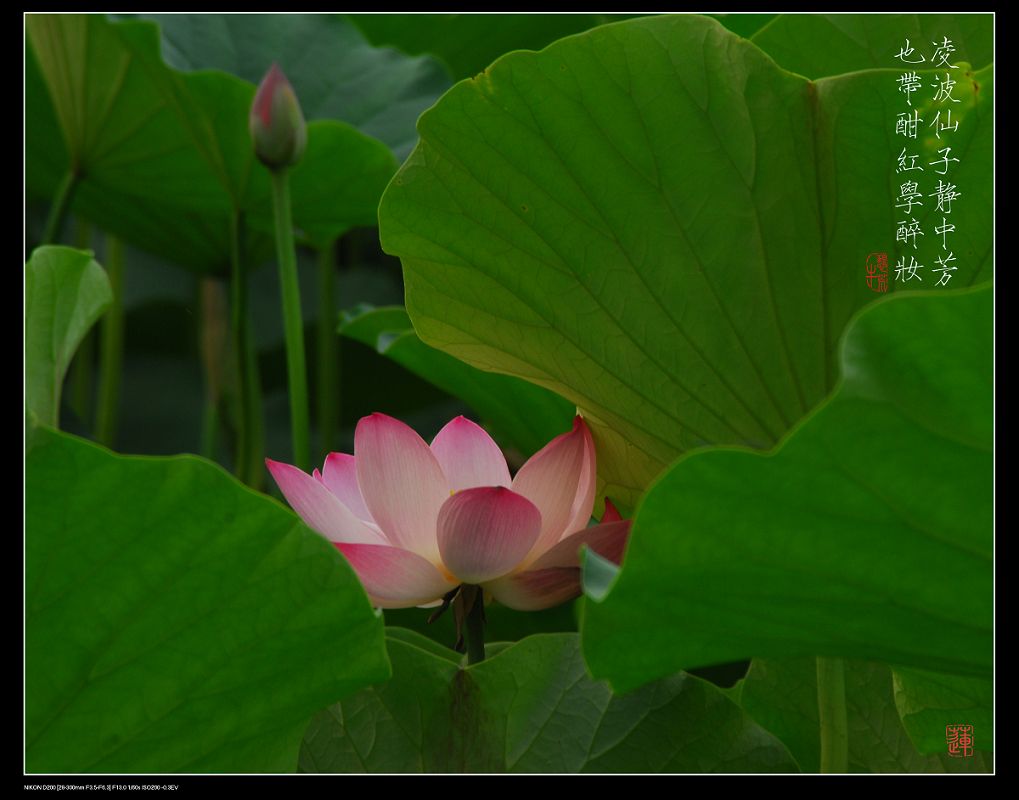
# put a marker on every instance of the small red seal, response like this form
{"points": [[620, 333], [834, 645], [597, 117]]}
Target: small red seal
{"points": [[877, 272], [960, 740]]}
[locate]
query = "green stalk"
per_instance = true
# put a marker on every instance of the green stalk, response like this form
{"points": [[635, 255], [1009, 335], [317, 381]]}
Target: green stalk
{"points": [[475, 628], [248, 464], [292, 322], [238, 309], [58, 209], [111, 344], [831, 708], [328, 366], [212, 338], [210, 432], [255, 477]]}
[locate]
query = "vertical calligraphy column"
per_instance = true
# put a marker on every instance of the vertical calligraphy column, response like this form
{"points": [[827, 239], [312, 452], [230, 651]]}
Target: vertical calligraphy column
{"points": [[944, 128], [915, 175], [908, 170]]}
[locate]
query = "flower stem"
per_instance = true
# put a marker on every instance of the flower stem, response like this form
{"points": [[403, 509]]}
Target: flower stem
{"points": [[831, 708], [210, 432], [292, 321], [475, 628], [111, 344], [238, 308], [212, 337], [58, 210], [328, 365], [256, 424]]}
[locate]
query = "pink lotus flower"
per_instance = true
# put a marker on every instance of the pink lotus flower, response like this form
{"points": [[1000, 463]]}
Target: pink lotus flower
{"points": [[416, 521]]}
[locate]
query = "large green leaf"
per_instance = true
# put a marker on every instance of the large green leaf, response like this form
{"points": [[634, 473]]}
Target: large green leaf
{"points": [[781, 695], [334, 71], [165, 158], [746, 25], [867, 534], [468, 43], [659, 224], [928, 702], [520, 414], [121, 135], [66, 291], [531, 708], [819, 45], [176, 621]]}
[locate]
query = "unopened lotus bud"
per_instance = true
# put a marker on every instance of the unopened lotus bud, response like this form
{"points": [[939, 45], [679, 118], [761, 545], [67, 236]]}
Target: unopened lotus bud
{"points": [[276, 122]]}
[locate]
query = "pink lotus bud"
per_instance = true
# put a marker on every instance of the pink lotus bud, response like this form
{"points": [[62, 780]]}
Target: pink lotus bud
{"points": [[276, 122]]}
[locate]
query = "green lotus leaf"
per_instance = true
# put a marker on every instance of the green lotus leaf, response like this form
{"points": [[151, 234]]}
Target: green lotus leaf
{"points": [[656, 222], [868, 534], [781, 696], [522, 415], [176, 621], [530, 707], [66, 291]]}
